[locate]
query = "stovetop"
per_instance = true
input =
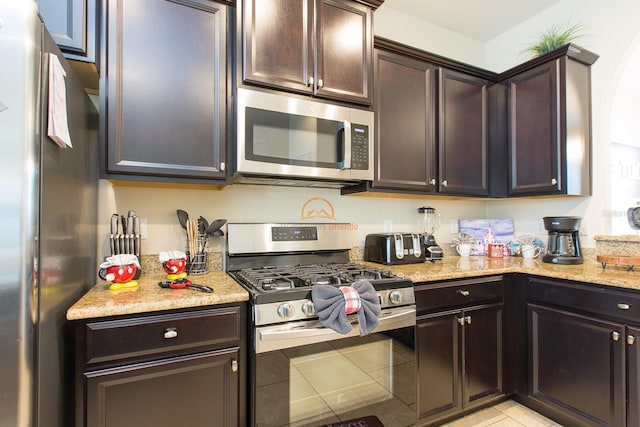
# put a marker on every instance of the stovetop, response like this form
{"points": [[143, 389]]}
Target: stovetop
{"points": [[287, 283]]}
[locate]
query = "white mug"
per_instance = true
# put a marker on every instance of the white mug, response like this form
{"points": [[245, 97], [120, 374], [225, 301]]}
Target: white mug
{"points": [[464, 249], [530, 251]]}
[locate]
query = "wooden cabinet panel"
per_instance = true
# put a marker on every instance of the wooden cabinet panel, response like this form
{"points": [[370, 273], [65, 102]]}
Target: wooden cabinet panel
{"points": [[318, 47], [198, 390], [463, 134], [164, 93], [458, 293], [577, 365], [633, 376], [482, 354], [72, 24], [344, 52], [438, 357], [405, 123], [534, 139]]}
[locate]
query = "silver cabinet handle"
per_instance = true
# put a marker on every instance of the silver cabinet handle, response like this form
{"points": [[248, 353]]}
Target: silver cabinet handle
{"points": [[461, 320], [615, 336], [223, 166], [631, 339], [320, 84], [170, 333], [623, 306], [310, 81], [234, 365], [554, 181], [432, 181], [468, 320], [444, 183], [463, 292]]}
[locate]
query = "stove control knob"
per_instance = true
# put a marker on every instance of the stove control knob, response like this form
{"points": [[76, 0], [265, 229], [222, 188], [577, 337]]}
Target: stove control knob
{"points": [[286, 310], [308, 308], [395, 297]]}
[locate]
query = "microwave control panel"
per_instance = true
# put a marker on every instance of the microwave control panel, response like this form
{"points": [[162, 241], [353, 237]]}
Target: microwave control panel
{"points": [[359, 147]]}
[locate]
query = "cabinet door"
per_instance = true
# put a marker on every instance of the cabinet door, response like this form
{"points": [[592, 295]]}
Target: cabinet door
{"points": [[482, 349], [278, 43], [463, 134], [577, 365], [199, 390], [633, 376], [438, 357], [405, 123], [72, 24], [344, 64], [164, 89], [534, 131]]}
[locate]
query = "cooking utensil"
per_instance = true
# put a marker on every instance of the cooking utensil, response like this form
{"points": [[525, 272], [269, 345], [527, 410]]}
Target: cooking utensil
{"points": [[184, 283], [183, 217], [214, 228], [203, 224], [114, 233]]}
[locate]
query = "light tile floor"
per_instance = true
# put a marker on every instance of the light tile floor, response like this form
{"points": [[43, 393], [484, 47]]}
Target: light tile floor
{"points": [[505, 414]]}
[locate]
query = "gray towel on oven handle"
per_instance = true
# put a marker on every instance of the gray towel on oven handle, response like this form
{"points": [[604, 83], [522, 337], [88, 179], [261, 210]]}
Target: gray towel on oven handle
{"points": [[329, 305]]}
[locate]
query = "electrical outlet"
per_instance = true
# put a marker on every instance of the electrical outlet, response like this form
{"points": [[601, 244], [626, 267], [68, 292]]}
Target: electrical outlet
{"points": [[540, 227], [454, 226], [388, 225], [143, 228]]}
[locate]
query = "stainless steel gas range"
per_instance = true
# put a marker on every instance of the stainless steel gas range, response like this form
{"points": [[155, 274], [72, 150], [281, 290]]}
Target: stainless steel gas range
{"points": [[301, 371]]}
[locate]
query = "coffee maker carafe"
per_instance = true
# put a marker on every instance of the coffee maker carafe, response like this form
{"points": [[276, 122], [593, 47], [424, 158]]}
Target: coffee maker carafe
{"points": [[563, 245]]}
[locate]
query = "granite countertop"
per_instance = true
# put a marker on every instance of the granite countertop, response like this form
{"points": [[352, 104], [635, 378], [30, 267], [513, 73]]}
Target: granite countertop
{"points": [[149, 297], [455, 267]]}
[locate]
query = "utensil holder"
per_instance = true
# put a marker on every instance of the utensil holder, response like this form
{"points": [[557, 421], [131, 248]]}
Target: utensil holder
{"points": [[197, 264]]}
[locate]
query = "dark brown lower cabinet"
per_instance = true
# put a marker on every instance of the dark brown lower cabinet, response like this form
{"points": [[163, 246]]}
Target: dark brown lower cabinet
{"points": [[196, 390], [176, 368], [460, 363], [577, 365], [633, 376]]}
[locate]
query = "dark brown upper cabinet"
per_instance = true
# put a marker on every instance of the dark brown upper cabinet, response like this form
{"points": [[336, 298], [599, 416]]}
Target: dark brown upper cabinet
{"points": [[463, 134], [549, 125], [73, 25], [405, 138], [164, 91], [318, 47], [431, 125]]}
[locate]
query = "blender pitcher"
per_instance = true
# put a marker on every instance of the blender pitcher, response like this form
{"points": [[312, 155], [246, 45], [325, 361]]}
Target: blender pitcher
{"points": [[428, 222]]}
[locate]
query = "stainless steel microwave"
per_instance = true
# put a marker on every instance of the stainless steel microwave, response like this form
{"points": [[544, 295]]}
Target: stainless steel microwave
{"points": [[301, 141]]}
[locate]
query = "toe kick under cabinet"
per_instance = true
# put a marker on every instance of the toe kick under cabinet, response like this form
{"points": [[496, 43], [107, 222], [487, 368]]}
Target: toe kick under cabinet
{"points": [[459, 344], [174, 368]]}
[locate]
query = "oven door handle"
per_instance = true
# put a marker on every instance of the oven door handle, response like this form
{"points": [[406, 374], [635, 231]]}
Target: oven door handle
{"points": [[387, 320]]}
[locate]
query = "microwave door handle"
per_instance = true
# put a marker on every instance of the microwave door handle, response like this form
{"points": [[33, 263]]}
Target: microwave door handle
{"points": [[344, 143]]}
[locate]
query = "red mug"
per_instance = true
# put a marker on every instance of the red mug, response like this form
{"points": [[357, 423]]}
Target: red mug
{"points": [[118, 273]]}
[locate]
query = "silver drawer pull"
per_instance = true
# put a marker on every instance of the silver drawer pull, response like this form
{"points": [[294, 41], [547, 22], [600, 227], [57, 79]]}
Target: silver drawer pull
{"points": [[623, 306], [463, 292], [615, 335], [234, 365], [631, 339], [170, 333]]}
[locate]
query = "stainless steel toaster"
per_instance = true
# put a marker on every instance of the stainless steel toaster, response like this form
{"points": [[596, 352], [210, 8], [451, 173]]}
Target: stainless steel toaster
{"points": [[394, 248]]}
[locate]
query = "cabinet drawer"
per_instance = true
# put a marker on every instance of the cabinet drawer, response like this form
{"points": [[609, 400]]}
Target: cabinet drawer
{"points": [[458, 293], [174, 333], [605, 301]]}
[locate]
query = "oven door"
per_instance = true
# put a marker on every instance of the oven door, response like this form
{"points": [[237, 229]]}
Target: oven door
{"points": [[327, 377]]}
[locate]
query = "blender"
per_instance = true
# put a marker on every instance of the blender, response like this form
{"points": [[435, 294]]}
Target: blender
{"points": [[428, 221]]}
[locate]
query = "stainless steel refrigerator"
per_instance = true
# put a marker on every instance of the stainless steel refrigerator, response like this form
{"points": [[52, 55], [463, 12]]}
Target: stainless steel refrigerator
{"points": [[47, 224]]}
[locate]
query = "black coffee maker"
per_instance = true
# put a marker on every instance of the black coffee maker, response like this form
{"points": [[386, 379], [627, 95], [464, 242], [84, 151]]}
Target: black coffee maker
{"points": [[563, 246]]}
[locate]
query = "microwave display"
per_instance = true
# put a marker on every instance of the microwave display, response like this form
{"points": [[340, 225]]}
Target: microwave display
{"points": [[291, 139]]}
